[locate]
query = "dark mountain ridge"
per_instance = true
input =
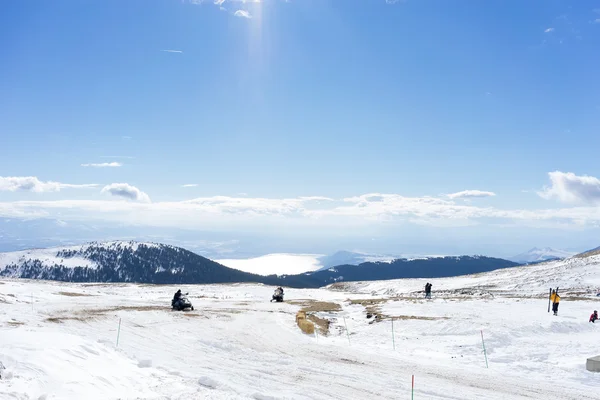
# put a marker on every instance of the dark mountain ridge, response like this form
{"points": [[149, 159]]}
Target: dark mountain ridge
{"points": [[164, 264]]}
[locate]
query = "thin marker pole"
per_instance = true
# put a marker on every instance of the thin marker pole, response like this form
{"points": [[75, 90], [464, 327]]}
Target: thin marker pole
{"points": [[119, 332], [347, 334], [412, 393], [393, 338], [484, 352]]}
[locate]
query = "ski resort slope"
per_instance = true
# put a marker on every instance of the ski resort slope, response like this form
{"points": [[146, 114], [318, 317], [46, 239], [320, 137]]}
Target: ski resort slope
{"points": [[59, 340]]}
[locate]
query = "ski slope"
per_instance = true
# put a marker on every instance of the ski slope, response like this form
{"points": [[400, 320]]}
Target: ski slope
{"points": [[59, 340]]}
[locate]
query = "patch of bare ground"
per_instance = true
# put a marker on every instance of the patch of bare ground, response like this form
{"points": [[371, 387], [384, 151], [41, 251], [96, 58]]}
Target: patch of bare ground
{"points": [[306, 319], [15, 323], [316, 306], [121, 284], [416, 317], [321, 323], [304, 324], [124, 308], [73, 294], [11, 295], [60, 320], [586, 254], [340, 286], [194, 315], [348, 361], [1, 283]]}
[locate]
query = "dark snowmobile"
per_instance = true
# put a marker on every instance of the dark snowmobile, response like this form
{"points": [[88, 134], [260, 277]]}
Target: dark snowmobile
{"points": [[278, 295], [182, 303]]}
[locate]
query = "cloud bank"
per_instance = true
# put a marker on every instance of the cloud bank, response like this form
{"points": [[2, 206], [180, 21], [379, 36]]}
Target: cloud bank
{"points": [[33, 184], [318, 212]]}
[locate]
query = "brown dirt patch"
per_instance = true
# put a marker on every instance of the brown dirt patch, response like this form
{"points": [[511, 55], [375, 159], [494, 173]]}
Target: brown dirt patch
{"points": [[417, 317], [15, 323], [321, 323], [587, 254], [307, 321], [124, 308], [59, 320], [305, 325], [190, 315], [73, 294], [316, 306]]}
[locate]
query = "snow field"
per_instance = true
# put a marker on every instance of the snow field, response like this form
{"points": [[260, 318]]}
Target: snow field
{"points": [[238, 345]]}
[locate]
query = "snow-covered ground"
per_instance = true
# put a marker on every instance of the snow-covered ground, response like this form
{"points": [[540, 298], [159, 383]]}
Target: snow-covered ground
{"points": [[276, 264], [238, 345]]}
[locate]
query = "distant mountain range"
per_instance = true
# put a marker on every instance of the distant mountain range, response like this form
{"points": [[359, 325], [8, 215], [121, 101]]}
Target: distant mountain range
{"points": [[536, 255], [140, 262]]}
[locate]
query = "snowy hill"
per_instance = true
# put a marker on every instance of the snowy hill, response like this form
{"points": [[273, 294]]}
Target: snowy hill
{"points": [[120, 261], [544, 254], [119, 341]]}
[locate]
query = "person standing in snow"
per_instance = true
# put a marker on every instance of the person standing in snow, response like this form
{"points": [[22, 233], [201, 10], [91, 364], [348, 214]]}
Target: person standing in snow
{"points": [[555, 299], [428, 290], [594, 317]]}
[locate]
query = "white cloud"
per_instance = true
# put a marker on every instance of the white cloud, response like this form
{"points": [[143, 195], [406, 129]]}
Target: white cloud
{"points": [[597, 21], [320, 213], [242, 14], [33, 184], [189, 185], [312, 212], [468, 194], [126, 191], [104, 165], [549, 30], [570, 188], [126, 137], [172, 51]]}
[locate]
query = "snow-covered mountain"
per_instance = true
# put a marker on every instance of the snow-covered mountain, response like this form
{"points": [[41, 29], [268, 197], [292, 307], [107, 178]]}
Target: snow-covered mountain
{"points": [[120, 261], [544, 254], [146, 262]]}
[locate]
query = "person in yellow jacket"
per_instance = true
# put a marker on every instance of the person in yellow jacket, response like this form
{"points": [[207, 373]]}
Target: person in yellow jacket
{"points": [[555, 299]]}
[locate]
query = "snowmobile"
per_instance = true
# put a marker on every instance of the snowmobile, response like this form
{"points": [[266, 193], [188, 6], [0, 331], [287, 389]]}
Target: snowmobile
{"points": [[182, 303], [277, 296]]}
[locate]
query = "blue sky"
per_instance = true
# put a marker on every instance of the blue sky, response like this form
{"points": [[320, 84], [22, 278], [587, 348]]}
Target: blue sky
{"points": [[380, 111]]}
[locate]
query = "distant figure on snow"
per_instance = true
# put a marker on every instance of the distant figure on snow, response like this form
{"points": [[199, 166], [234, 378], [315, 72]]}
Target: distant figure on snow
{"points": [[594, 317], [428, 290], [555, 299], [278, 295]]}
